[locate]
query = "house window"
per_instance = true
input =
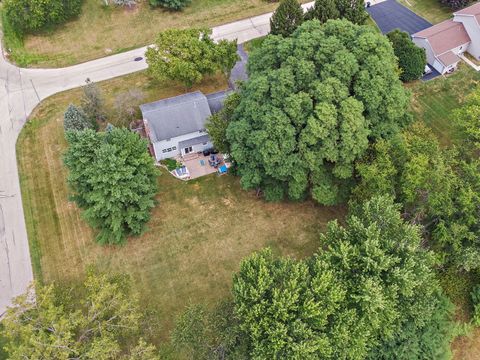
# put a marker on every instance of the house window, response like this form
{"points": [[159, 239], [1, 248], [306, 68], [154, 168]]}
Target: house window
{"points": [[188, 150], [164, 151], [169, 149], [204, 143], [174, 148]]}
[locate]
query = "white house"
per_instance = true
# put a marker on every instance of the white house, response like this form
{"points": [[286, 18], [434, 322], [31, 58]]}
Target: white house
{"points": [[176, 126], [447, 40]]}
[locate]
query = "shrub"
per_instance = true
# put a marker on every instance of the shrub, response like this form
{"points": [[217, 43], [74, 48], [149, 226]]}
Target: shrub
{"points": [[171, 164], [475, 294], [26, 16], [171, 4], [455, 4]]}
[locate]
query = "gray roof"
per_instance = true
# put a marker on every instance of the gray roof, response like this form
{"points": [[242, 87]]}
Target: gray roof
{"points": [[215, 100], [194, 141], [176, 116]]}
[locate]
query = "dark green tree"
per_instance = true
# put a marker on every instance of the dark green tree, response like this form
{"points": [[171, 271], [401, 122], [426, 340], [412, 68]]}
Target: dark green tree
{"points": [[351, 10], [309, 109], [113, 179], [176, 5], [101, 323], [189, 55], [411, 58], [286, 18], [75, 120], [467, 121], [27, 16], [370, 293], [217, 123], [323, 10]]}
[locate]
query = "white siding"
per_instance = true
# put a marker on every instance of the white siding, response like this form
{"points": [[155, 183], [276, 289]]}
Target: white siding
{"points": [[439, 67], [423, 43], [159, 146], [473, 30]]}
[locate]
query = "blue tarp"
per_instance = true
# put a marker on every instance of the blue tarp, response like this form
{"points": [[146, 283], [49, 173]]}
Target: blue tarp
{"points": [[222, 169]]}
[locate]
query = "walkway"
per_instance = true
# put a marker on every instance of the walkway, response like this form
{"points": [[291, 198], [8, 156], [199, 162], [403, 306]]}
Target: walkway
{"points": [[21, 90]]}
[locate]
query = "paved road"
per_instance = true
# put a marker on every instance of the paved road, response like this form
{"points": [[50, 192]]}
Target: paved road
{"points": [[20, 92], [390, 15]]}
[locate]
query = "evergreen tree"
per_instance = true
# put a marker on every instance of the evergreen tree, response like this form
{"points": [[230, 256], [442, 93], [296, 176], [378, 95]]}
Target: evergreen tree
{"points": [[113, 178], [411, 58], [323, 10], [92, 103], [75, 120], [286, 18]]}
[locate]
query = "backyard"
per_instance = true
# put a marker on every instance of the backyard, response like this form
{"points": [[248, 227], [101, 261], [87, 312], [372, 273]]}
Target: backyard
{"points": [[101, 31], [199, 231]]}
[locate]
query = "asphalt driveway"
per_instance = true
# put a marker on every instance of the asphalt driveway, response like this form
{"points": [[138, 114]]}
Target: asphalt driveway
{"points": [[390, 15]]}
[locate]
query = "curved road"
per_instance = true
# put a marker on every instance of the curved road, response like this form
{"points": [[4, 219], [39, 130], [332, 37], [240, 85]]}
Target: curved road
{"points": [[21, 90]]}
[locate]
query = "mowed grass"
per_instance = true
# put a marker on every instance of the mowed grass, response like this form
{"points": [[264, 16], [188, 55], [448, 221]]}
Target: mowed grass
{"points": [[433, 101], [100, 31], [432, 10], [199, 231]]}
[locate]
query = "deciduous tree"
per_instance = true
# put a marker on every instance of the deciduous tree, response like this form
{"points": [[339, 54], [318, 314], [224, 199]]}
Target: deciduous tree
{"points": [[101, 324], [92, 103], [411, 58], [113, 179], [309, 109], [286, 18], [188, 55]]}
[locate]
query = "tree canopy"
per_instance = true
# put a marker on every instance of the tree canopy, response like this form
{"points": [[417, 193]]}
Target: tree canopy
{"points": [[351, 10], [389, 307], [312, 103], [114, 179], [102, 323], [286, 18], [436, 187], [411, 58], [189, 55], [26, 16]]}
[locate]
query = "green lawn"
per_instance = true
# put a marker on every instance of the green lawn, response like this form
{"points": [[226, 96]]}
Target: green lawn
{"points": [[433, 101], [431, 10], [198, 233], [100, 31]]}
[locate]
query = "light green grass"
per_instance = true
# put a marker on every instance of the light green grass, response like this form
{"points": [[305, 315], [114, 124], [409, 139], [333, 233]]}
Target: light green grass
{"points": [[433, 101], [432, 10], [198, 234]]}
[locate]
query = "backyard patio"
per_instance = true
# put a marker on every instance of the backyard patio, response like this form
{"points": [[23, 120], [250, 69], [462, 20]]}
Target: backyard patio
{"points": [[198, 165]]}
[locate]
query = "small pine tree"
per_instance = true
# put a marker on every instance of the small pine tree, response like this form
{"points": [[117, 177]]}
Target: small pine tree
{"points": [[287, 17], [323, 10], [74, 119]]}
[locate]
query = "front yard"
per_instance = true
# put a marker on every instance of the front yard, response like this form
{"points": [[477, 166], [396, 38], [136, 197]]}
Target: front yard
{"points": [[431, 10], [102, 31], [199, 231]]}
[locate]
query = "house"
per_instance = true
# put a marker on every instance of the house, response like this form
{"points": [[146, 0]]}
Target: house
{"points": [[445, 42], [176, 126]]}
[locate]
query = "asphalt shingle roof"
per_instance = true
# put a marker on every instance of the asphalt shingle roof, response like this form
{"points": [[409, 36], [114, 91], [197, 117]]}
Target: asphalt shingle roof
{"points": [[176, 116]]}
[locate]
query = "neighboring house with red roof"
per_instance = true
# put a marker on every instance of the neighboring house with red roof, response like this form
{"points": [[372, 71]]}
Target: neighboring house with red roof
{"points": [[444, 42]]}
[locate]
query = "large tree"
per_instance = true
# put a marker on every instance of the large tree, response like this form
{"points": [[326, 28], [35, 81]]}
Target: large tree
{"points": [[75, 119], [113, 178], [437, 188], [188, 55], [370, 293], [286, 18], [101, 323], [310, 107], [411, 58]]}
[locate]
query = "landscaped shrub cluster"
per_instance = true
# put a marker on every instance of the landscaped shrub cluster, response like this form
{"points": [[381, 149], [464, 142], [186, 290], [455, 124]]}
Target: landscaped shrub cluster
{"points": [[171, 4], [27, 16], [456, 4]]}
